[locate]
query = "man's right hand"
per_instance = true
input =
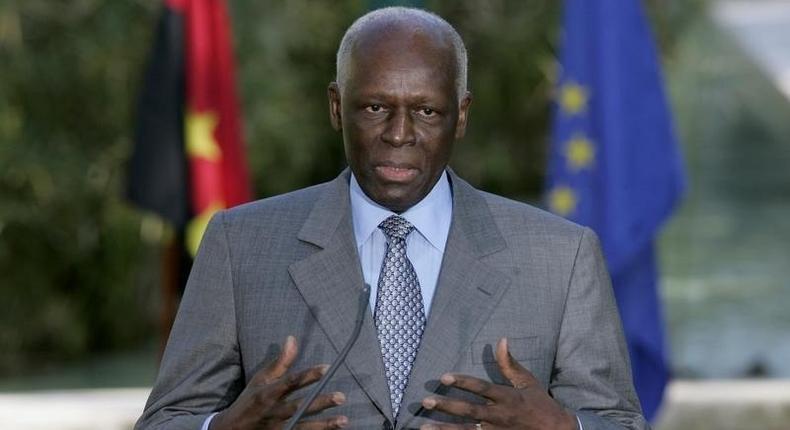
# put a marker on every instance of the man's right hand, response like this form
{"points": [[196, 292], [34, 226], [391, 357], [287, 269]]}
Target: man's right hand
{"points": [[263, 403]]}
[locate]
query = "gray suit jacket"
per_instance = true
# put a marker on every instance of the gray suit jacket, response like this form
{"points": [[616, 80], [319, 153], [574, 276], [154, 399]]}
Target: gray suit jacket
{"points": [[289, 265]]}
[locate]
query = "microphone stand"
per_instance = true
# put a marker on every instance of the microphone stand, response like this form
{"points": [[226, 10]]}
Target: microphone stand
{"points": [[364, 298]]}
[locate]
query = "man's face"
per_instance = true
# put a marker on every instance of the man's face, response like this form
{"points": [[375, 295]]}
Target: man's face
{"points": [[399, 114]]}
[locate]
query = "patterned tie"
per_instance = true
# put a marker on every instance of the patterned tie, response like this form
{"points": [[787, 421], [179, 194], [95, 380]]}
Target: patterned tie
{"points": [[399, 315]]}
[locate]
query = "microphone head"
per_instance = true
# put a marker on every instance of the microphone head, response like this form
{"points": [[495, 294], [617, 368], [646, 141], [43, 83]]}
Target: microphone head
{"points": [[364, 300]]}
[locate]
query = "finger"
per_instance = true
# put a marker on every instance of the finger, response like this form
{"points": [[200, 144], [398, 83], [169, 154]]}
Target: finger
{"points": [[473, 385], [281, 365], [324, 401], [445, 426], [329, 423], [285, 359], [457, 407], [518, 376], [294, 381]]}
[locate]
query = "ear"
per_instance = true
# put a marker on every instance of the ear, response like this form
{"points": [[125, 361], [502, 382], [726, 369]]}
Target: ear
{"points": [[463, 115], [333, 92]]}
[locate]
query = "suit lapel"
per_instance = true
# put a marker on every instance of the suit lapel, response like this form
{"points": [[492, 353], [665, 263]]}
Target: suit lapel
{"points": [[467, 292], [330, 280]]}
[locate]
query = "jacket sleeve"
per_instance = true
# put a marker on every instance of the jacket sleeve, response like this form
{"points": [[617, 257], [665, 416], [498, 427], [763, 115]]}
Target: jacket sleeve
{"points": [[592, 372], [201, 370]]}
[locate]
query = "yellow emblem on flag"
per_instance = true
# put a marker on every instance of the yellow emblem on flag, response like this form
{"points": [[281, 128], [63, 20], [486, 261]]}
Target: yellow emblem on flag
{"points": [[199, 134], [573, 98], [580, 152], [562, 200], [197, 226]]}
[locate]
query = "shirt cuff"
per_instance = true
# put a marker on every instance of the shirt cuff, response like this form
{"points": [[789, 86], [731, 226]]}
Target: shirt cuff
{"points": [[208, 421]]}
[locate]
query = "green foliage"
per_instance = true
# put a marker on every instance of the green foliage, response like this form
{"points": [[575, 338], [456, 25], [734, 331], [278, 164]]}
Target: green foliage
{"points": [[512, 50], [76, 274], [71, 259], [286, 58]]}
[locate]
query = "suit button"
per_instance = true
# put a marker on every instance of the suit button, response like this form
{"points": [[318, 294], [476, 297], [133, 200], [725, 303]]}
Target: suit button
{"points": [[386, 425]]}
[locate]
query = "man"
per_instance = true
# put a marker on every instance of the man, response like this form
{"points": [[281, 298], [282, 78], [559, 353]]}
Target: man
{"points": [[485, 313]]}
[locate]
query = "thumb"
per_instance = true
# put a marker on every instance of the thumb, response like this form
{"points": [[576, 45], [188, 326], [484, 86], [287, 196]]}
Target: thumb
{"points": [[518, 376], [281, 365]]}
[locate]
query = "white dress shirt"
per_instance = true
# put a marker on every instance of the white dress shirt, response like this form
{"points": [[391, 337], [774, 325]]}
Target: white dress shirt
{"points": [[430, 217]]}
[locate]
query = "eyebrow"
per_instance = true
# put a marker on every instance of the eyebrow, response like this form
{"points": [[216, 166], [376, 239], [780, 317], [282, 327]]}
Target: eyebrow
{"points": [[433, 96]]}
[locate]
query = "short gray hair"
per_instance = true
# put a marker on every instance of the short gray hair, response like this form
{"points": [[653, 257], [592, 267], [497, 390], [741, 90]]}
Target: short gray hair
{"points": [[398, 13]]}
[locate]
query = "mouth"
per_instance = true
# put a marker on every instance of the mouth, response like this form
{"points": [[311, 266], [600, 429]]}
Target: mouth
{"points": [[391, 172]]}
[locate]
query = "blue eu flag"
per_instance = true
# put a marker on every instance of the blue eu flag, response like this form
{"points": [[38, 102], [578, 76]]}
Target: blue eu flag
{"points": [[614, 164]]}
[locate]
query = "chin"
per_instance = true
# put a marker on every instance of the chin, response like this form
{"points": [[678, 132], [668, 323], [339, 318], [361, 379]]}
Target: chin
{"points": [[395, 202]]}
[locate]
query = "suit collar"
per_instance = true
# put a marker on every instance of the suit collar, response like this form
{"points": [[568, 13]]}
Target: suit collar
{"points": [[471, 215], [330, 208], [473, 219]]}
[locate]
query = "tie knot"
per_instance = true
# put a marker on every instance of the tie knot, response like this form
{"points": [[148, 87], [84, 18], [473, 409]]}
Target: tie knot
{"points": [[396, 227]]}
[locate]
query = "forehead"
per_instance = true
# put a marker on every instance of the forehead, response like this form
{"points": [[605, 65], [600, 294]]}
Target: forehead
{"points": [[396, 56]]}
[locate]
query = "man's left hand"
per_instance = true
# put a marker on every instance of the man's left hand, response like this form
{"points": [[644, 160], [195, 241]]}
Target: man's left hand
{"points": [[523, 405]]}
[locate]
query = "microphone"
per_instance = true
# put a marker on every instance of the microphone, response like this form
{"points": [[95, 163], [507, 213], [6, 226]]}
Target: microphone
{"points": [[364, 298]]}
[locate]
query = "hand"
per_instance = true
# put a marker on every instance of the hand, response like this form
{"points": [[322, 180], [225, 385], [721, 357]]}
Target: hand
{"points": [[262, 404], [524, 405]]}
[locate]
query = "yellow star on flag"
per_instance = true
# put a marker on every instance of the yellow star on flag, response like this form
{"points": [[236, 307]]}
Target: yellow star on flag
{"points": [[562, 201], [573, 98], [199, 130], [580, 152]]}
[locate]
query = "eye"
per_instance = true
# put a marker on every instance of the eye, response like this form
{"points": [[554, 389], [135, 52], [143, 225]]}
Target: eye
{"points": [[427, 112], [373, 108]]}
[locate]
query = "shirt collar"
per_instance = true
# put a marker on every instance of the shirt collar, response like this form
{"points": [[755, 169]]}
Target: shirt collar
{"points": [[431, 216]]}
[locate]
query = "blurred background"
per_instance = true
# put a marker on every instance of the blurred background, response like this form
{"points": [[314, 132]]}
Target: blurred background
{"points": [[81, 269]]}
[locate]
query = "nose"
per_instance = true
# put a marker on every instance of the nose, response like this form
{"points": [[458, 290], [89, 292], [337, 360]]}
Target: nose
{"points": [[400, 129]]}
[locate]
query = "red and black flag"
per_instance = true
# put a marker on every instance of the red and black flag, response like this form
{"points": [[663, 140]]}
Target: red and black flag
{"points": [[188, 159]]}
